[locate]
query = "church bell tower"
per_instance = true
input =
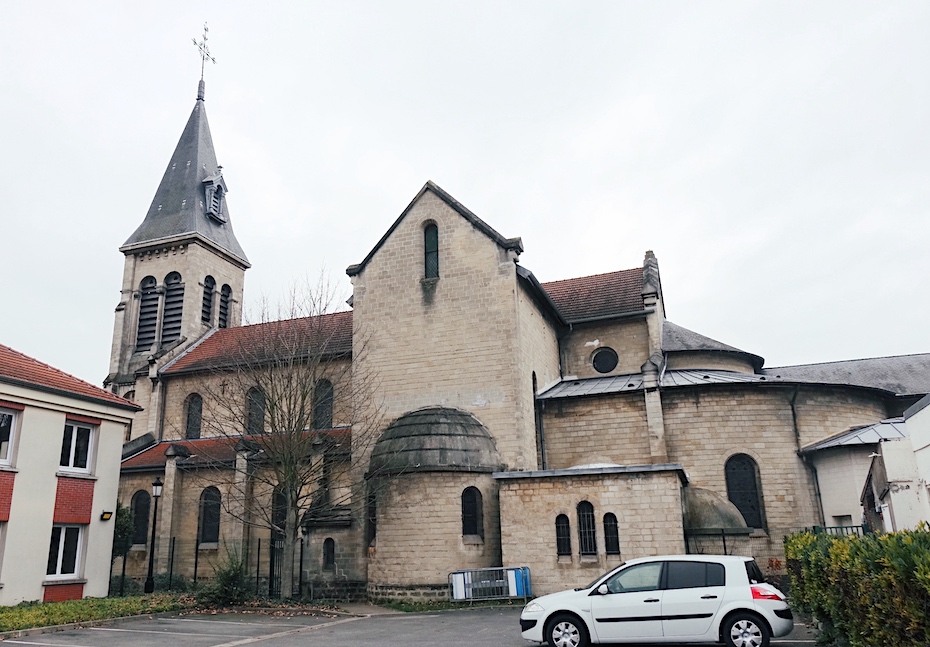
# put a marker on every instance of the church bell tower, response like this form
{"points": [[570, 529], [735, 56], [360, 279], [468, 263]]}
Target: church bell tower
{"points": [[183, 274]]}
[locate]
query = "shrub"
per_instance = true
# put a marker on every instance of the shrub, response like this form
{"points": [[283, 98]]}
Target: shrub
{"points": [[230, 584], [871, 590]]}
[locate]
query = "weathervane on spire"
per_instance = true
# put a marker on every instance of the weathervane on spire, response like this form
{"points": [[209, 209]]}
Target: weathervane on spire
{"points": [[204, 51]]}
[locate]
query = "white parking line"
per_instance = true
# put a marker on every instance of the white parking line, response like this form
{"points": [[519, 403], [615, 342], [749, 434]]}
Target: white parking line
{"points": [[233, 622], [152, 631], [246, 641]]}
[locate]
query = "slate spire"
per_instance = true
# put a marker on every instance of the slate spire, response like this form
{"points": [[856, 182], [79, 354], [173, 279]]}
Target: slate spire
{"points": [[191, 199]]}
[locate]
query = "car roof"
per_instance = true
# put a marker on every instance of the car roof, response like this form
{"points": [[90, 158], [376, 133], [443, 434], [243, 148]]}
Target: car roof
{"points": [[691, 558]]}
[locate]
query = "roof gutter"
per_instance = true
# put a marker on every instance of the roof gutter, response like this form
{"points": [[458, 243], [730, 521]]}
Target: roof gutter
{"points": [[623, 315]]}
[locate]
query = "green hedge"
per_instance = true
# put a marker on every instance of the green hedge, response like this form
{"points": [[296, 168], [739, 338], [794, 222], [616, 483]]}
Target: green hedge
{"points": [[867, 591]]}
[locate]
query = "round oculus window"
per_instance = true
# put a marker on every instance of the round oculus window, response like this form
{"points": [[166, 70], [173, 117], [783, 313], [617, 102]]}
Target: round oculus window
{"points": [[605, 360]]}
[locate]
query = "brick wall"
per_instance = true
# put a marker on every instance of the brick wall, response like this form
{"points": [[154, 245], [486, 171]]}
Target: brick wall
{"points": [[6, 494], [62, 592], [74, 500]]}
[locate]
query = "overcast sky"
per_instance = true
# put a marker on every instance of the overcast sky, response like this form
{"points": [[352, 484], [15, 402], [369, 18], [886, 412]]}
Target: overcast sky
{"points": [[774, 155]]}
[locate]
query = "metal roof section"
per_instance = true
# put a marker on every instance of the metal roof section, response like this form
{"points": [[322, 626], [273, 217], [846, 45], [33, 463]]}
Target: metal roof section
{"points": [[596, 470], [890, 429], [514, 244], [634, 382], [901, 374], [676, 338], [918, 406], [178, 210]]}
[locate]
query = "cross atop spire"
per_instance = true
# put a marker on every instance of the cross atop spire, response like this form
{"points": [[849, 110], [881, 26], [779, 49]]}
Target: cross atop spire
{"points": [[204, 56]]}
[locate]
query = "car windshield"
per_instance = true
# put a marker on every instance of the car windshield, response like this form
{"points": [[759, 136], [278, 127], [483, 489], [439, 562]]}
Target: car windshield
{"points": [[600, 577], [754, 572]]}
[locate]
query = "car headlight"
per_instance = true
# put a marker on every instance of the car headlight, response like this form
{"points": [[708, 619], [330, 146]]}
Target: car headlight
{"points": [[533, 607]]}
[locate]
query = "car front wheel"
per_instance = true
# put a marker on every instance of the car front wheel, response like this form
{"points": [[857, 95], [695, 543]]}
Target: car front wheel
{"points": [[745, 630], [566, 631]]}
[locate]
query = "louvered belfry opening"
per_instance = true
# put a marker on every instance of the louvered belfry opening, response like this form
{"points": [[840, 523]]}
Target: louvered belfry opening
{"points": [[148, 313], [174, 305], [206, 311], [225, 294]]}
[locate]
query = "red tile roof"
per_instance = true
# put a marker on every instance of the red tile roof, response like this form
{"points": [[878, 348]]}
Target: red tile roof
{"points": [[600, 295], [219, 449], [17, 368], [329, 335]]}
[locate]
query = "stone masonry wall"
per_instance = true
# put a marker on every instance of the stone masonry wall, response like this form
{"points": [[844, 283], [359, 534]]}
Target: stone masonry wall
{"points": [[609, 429], [629, 338], [647, 507], [419, 539]]}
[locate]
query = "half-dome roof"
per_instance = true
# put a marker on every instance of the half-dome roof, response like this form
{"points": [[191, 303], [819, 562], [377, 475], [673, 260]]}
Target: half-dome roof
{"points": [[677, 339], [435, 439]]}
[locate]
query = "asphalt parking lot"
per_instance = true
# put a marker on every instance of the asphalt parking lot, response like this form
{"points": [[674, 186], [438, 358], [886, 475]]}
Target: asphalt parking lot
{"points": [[496, 627]]}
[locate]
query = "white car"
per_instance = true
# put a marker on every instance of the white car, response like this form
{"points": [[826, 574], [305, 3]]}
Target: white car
{"points": [[671, 598]]}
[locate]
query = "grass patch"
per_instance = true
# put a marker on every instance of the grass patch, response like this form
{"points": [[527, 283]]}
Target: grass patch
{"points": [[35, 614], [445, 605]]}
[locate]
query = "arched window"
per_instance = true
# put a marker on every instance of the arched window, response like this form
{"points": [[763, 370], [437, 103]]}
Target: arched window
{"points": [[329, 554], [472, 512], [323, 405], [563, 536], [586, 538], [255, 411], [148, 313], [538, 423], [744, 489], [611, 534], [140, 517], [206, 311], [208, 528], [194, 416], [225, 296], [431, 251], [174, 306]]}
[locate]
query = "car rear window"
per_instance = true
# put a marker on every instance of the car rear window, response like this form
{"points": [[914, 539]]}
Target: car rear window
{"points": [[754, 572], [690, 575]]}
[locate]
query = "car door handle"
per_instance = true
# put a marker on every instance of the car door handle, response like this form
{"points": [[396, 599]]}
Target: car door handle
{"points": [[708, 597], [651, 600]]}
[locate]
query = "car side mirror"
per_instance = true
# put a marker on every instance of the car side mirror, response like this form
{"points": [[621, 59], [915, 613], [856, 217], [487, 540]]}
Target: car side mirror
{"points": [[602, 590]]}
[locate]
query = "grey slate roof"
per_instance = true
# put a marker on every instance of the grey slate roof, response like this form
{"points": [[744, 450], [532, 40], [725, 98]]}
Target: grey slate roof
{"points": [[178, 207], [891, 429], [678, 338], [901, 374], [634, 382]]}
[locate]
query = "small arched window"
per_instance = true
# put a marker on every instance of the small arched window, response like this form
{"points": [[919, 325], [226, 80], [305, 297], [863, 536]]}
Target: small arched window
{"points": [[744, 489], [148, 313], [225, 298], [174, 307], [563, 535], [586, 534], [431, 251], [209, 522], [329, 554], [611, 534], [140, 517], [323, 405], [206, 311], [472, 512], [255, 411], [194, 416]]}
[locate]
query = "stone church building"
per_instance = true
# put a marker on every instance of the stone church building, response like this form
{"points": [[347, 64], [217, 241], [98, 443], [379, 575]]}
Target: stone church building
{"points": [[563, 426]]}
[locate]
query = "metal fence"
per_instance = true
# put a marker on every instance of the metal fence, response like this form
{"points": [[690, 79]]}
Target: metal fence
{"points": [[490, 584]]}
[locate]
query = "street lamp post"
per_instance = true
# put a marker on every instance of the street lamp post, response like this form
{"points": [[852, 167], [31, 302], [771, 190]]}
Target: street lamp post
{"points": [[150, 580]]}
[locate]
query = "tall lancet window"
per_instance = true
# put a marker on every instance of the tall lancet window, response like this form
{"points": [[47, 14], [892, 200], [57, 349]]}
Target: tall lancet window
{"points": [[148, 313], [431, 251], [209, 287], [174, 305], [225, 296]]}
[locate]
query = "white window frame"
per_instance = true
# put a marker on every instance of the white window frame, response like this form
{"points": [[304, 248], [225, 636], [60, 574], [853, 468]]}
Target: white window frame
{"points": [[7, 460], [78, 552], [91, 442]]}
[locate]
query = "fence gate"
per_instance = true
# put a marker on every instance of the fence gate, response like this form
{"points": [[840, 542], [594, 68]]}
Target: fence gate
{"points": [[275, 556]]}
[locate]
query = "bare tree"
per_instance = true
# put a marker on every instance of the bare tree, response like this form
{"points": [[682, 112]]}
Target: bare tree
{"points": [[289, 392]]}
